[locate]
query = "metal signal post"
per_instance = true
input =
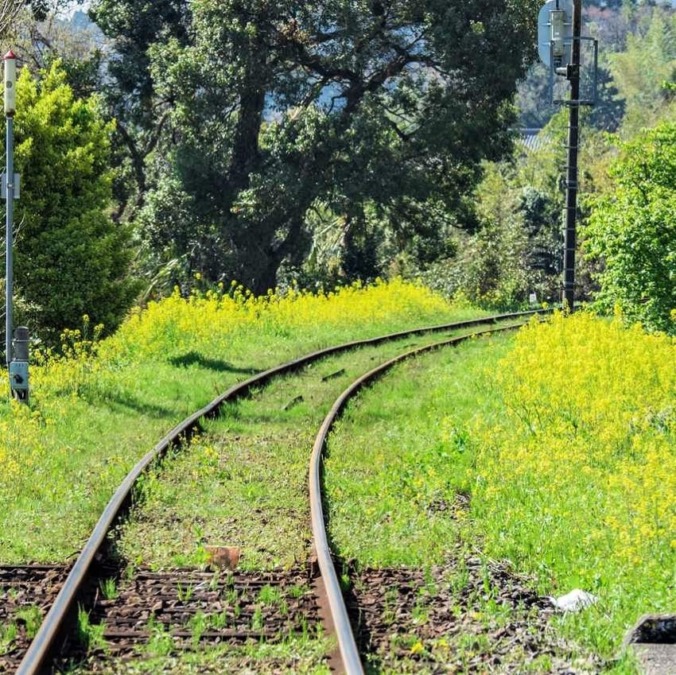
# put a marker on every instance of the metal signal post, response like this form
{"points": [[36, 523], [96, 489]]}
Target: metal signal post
{"points": [[16, 351], [8, 190], [572, 73], [560, 47]]}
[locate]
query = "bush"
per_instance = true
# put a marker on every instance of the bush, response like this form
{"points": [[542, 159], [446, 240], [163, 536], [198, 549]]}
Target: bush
{"points": [[71, 258], [633, 231], [577, 480]]}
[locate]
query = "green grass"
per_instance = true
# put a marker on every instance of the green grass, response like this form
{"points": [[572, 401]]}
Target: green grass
{"points": [[408, 448], [401, 478], [394, 496], [30, 617], [302, 655], [244, 482], [8, 634], [577, 482], [92, 421], [399, 494]]}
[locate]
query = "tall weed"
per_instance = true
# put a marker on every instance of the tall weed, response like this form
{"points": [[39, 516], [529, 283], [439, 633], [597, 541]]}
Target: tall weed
{"points": [[577, 481]]}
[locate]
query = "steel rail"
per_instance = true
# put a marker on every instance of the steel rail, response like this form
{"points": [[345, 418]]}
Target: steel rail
{"points": [[346, 640], [46, 641]]}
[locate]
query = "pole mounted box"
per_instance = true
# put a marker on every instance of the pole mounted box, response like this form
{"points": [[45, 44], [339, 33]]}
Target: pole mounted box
{"points": [[10, 83], [556, 43], [555, 33], [18, 366], [16, 185], [18, 375]]}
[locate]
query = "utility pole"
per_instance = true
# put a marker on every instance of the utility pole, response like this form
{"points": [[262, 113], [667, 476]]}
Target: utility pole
{"points": [[8, 190], [572, 72], [16, 351], [560, 48]]}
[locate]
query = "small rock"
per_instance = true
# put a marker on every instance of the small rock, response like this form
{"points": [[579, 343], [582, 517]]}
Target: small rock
{"points": [[223, 557], [574, 601], [653, 628]]}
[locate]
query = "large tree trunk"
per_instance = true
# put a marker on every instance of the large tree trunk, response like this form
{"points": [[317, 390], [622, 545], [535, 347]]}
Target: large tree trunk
{"points": [[246, 154], [263, 248], [260, 258]]}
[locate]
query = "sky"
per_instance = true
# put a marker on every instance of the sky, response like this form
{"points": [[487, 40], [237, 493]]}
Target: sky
{"points": [[75, 6]]}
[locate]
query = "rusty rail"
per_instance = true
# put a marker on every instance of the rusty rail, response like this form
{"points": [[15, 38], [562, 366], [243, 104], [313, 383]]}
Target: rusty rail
{"points": [[346, 641], [51, 633]]}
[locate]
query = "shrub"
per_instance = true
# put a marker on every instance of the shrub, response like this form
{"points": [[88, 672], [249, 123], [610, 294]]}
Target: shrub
{"points": [[71, 258], [633, 231]]}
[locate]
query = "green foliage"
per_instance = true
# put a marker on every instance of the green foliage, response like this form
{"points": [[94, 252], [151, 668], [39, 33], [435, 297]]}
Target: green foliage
{"points": [[95, 408], [251, 112], [71, 259], [633, 231], [643, 71], [638, 64], [517, 249], [82, 71], [489, 266], [575, 478], [534, 98], [128, 87]]}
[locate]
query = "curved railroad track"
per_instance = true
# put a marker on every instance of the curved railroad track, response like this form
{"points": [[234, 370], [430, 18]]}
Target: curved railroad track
{"points": [[81, 587]]}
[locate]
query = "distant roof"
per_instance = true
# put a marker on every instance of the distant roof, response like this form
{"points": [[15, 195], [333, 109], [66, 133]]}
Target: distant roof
{"points": [[532, 139]]}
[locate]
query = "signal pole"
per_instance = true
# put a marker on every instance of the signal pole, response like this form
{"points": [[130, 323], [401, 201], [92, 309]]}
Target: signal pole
{"points": [[16, 351], [560, 48], [570, 241], [8, 189]]}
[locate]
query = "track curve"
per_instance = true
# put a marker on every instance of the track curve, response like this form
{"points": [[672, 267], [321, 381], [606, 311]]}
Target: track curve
{"points": [[346, 640], [47, 640]]}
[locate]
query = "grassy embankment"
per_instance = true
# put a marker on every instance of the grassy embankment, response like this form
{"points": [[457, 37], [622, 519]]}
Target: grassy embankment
{"points": [[96, 411], [244, 481], [564, 444]]}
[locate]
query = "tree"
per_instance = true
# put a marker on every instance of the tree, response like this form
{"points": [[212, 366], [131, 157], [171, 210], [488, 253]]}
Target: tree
{"points": [[140, 112], [518, 248], [248, 112], [71, 259], [41, 33], [633, 231], [8, 10], [644, 71]]}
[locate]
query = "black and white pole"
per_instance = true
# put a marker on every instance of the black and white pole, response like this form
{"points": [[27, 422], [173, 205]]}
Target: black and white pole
{"points": [[16, 351], [570, 239]]}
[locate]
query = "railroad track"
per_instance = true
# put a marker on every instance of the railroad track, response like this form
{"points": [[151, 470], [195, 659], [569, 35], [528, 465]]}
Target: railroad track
{"points": [[306, 599]]}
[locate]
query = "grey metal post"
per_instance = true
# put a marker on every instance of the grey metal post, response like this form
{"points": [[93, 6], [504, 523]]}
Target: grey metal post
{"points": [[9, 227], [572, 169], [10, 109]]}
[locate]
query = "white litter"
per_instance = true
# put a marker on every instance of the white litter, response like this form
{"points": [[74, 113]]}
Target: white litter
{"points": [[574, 601]]}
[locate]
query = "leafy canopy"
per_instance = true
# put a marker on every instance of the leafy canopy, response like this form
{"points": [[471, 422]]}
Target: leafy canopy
{"points": [[71, 259], [633, 231], [645, 73], [240, 115]]}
